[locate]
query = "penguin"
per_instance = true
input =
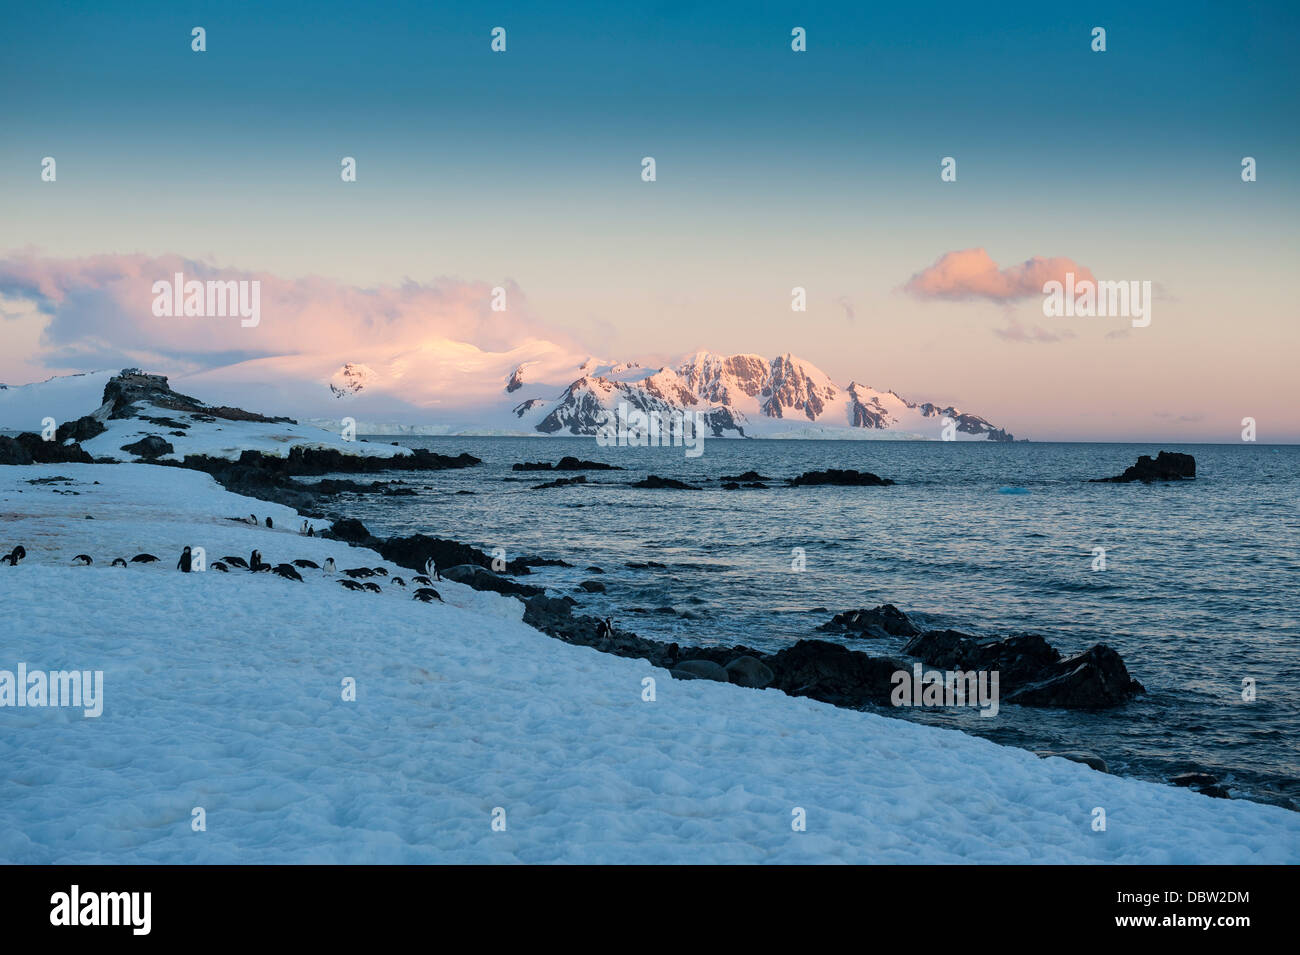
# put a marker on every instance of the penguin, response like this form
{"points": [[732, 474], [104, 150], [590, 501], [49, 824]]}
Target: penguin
{"points": [[144, 559], [287, 572], [381, 571], [303, 530], [356, 572], [351, 585], [604, 629], [306, 563], [329, 566], [236, 562], [252, 519], [219, 566], [184, 564], [14, 556], [372, 587], [269, 524], [427, 595], [118, 562], [83, 560], [255, 563], [399, 581], [421, 579], [311, 531]]}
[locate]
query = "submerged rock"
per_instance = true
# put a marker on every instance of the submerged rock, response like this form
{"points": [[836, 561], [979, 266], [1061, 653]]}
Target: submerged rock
{"points": [[1166, 466], [839, 478], [567, 463], [655, 482]]}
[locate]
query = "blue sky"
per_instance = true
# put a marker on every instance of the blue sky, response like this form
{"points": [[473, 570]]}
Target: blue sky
{"points": [[775, 169]]}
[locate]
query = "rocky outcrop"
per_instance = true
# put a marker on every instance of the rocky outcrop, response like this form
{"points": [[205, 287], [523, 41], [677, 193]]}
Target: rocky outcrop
{"points": [[1030, 671], [29, 448], [883, 621], [149, 447], [833, 673], [839, 478], [1165, 466]]}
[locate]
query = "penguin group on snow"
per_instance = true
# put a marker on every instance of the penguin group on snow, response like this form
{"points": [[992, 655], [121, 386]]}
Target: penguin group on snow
{"points": [[255, 564]]}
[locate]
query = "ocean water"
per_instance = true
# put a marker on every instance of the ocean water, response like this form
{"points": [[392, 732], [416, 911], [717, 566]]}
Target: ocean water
{"points": [[1200, 590]]}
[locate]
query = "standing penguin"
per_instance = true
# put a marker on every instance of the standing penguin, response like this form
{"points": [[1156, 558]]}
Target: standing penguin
{"points": [[268, 523], [255, 562], [184, 564], [329, 565]]}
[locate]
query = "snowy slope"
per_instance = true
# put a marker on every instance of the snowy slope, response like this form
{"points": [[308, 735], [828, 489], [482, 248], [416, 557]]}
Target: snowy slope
{"points": [[189, 425], [223, 691]]}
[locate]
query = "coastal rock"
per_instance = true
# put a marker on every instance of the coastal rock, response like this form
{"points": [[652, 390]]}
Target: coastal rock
{"points": [[480, 578], [1018, 659], [1093, 679], [351, 530], [1194, 779], [833, 673], [748, 477], [838, 478], [1166, 466], [699, 670], [749, 671], [13, 452], [28, 448], [149, 447], [415, 551], [83, 429], [655, 482], [592, 586], [883, 621]]}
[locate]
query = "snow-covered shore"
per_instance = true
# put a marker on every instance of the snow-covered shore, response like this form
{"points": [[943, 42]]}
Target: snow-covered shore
{"points": [[224, 691]]}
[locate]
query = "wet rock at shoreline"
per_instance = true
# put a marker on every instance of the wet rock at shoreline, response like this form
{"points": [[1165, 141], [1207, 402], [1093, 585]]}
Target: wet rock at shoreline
{"points": [[561, 482], [883, 621], [1165, 466], [1088, 759]]}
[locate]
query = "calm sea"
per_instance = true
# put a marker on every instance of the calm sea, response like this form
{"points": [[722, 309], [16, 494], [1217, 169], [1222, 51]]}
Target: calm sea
{"points": [[1200, 590]]}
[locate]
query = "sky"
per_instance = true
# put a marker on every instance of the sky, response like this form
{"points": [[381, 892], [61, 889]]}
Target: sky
{"points": [[774, 169]]}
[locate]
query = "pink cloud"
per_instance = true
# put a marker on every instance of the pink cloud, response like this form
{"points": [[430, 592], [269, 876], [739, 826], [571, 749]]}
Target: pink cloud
{"points": [[972, 274], [100, 313]]}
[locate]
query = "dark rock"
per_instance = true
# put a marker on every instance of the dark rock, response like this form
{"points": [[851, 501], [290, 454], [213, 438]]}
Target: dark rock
{"points": [[1194, 779], [13, 452], [351, 530], [699, 670], [415, 551], [1018, 660], [749, 671], [1166, 466], [1218, 792], [1093, 679], [83, 429], [592, 586], [561, 482], [839, 478], [748, 476], [567, 463], [654, 482], [833, 673], [886, 620], [480, 578], [149, 447]]}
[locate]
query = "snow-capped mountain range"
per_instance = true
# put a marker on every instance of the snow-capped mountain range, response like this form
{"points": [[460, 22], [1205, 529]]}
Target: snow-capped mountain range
{"points": [[541, 388]]}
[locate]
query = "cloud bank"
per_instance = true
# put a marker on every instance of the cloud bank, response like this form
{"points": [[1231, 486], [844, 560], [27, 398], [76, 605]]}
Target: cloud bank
{"points": [[100, 314]]}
